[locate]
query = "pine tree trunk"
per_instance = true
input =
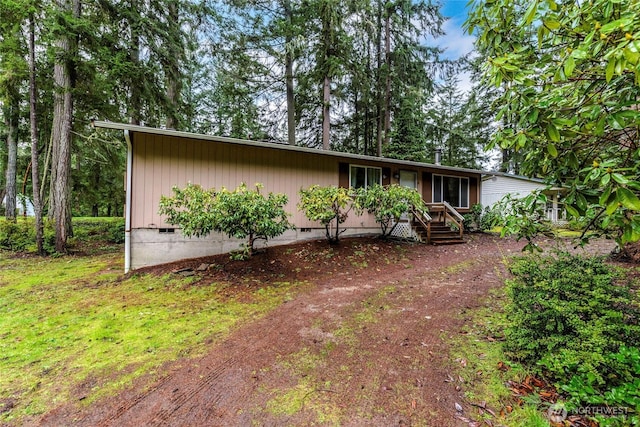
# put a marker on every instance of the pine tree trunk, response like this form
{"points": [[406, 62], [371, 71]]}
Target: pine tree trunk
{"points": [[379, 96], [12, 118], [387, 90], [326, 113], [291, 101], [326, 84], [135, 98], [172, 68], [61, 132], [33, 119]]}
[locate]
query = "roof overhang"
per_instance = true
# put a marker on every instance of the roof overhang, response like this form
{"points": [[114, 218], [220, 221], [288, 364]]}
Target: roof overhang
{"points": [[278, 146]]}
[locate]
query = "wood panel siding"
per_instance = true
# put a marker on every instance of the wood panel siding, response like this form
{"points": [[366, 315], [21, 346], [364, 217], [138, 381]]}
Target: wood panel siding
{"points": [[474, 195], [343, 175], [163, 161], [427, 190]]}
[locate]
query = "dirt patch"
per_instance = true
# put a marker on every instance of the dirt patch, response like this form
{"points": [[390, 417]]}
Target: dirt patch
{"points": [[365, 343]]}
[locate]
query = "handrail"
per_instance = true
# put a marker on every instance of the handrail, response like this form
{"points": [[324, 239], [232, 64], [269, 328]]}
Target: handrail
{"points": [[424, 215], [451, 214], [424, 219], [453, 211]]}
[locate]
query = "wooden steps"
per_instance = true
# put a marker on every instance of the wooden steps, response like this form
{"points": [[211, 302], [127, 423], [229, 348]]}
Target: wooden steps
{"points": [[441, 234]]}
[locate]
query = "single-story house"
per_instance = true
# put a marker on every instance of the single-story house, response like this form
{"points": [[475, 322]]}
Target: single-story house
{"points": [[159, 159], [496, 185]]}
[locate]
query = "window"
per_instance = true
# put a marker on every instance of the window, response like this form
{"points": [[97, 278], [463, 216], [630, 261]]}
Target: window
{"points": [[364, 176], [409, 179], [452, 189]]}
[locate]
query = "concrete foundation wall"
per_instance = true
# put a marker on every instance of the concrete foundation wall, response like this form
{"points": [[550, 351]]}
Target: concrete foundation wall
{"points": [[152, 247]]}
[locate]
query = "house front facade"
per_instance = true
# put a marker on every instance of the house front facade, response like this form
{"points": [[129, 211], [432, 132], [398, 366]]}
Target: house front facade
{"points": [[159, 159]]}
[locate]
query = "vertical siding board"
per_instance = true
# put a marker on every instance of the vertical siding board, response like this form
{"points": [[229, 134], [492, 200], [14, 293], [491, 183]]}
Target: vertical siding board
{"points": [[163, 181], [138, 180], [188, 164], [197, 163], [211, 162], [152, 190]]}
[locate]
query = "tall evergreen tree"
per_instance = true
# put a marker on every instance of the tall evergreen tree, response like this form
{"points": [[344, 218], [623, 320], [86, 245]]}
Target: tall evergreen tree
{"points": [[65, 44], [12, 80]]}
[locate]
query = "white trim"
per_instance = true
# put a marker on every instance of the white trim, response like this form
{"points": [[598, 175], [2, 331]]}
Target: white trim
{"points": [[127, 211]]}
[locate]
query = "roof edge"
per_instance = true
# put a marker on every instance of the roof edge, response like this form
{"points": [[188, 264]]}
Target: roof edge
{"points": [[274, 145]]}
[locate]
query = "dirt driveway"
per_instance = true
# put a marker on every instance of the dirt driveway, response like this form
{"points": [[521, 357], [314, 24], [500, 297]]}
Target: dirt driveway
{"points": [[364, 343]]}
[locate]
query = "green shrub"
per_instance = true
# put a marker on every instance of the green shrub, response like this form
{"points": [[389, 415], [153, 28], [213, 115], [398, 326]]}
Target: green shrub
{"points": [[327, 205], [20, 236], [17, 235], [572, 321], [479, 219], [567, 314], [241, 213], [116, 232], [388, 204]]}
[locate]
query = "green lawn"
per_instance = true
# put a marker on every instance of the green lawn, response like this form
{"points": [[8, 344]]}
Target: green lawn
{"points": [[73, 329]]}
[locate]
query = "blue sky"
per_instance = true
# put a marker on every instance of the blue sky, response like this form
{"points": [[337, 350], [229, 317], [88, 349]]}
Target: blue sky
{"points": [[456, 41]]}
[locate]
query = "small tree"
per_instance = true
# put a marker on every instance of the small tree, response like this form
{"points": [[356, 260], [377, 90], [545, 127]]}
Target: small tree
{"points": [[327, 205], [388, 204], [241, 213]]}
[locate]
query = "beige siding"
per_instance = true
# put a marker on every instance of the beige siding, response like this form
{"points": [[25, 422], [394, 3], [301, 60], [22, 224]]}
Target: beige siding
{"points": [[160, 162]]}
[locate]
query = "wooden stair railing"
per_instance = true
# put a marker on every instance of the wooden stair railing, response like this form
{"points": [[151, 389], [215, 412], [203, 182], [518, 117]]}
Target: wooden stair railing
{"points": [[448, 212], [423, 219]]}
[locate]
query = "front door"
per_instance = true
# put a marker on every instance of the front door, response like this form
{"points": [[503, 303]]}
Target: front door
{"points": [[408, 179]]}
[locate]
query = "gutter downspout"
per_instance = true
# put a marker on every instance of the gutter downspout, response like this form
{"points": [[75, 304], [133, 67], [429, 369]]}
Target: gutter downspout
{"points": [[127, 207]]}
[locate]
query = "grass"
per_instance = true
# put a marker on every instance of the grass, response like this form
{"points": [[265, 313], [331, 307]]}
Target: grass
{"points": [[72, 329]]}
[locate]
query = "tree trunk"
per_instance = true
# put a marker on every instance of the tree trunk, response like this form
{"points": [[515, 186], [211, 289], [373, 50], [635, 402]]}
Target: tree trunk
{"points": [[387, 90], [379, 97], [135, 97], [172, 69], [291, 101], [326, 84], [326, 113], [33, 120], [12, 120], [61, 131]]}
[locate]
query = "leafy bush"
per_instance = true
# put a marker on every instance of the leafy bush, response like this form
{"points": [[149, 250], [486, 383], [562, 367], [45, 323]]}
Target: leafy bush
{"points": [[523, 217], [241, 213], [388, 204], [327, 205], [16, 235], [20, 236], [479, 219], [568, 319]]}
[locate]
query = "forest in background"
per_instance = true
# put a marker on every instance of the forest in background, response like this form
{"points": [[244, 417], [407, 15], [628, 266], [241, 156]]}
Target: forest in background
{"points": [[356, 76]]}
